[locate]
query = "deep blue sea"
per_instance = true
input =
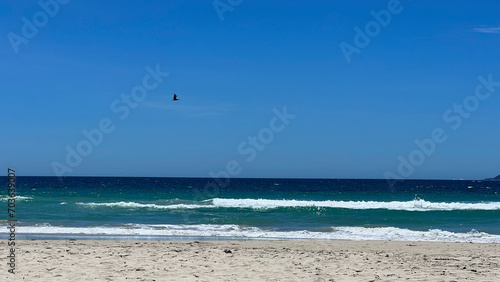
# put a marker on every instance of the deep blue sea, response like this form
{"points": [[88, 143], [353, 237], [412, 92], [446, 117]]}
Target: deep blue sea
{"points": [[196, 208]]}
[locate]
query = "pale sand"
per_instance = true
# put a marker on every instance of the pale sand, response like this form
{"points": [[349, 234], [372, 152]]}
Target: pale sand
{"points": [[251, 261]]}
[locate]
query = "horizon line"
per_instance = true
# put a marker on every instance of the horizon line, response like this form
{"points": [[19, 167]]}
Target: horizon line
{"points": [[297, 178]]}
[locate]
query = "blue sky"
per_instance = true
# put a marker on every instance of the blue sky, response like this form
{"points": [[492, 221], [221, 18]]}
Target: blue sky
{"points": [[353, 120]]}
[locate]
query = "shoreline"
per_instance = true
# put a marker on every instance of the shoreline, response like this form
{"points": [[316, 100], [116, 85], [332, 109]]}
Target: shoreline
{"points": [[252, 260], [217, 238], [342, 234]]}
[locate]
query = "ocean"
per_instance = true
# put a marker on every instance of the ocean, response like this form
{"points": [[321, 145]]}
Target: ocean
{"points": [[134, 208]]}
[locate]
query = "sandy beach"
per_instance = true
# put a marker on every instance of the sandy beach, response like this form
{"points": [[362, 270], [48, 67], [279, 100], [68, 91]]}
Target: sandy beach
{"points": [[70, 260]]}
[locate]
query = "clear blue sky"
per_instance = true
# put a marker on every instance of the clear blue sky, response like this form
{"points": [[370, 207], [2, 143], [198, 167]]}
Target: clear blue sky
{"points": [[353, 120]]}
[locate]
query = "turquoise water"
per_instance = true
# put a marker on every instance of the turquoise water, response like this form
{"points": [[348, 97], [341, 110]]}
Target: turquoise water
{"points": [[166, 208]]}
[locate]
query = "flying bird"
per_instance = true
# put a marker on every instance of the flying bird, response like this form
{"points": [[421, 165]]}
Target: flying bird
{"points": [[175, 97]]}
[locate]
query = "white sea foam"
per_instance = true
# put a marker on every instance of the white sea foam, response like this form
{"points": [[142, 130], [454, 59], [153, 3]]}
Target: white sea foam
{"points": [[139, 205], [414, 205], [18, 198], [205, 230]]}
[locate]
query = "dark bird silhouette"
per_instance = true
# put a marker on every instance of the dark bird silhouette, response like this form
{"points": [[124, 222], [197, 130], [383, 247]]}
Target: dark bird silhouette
{"points": [[175, 97]]}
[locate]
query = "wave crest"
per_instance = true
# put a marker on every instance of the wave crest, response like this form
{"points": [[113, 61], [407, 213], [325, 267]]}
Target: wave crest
{"points": [[18, 198], [414, 205], [139, 205], [208, 230]]}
